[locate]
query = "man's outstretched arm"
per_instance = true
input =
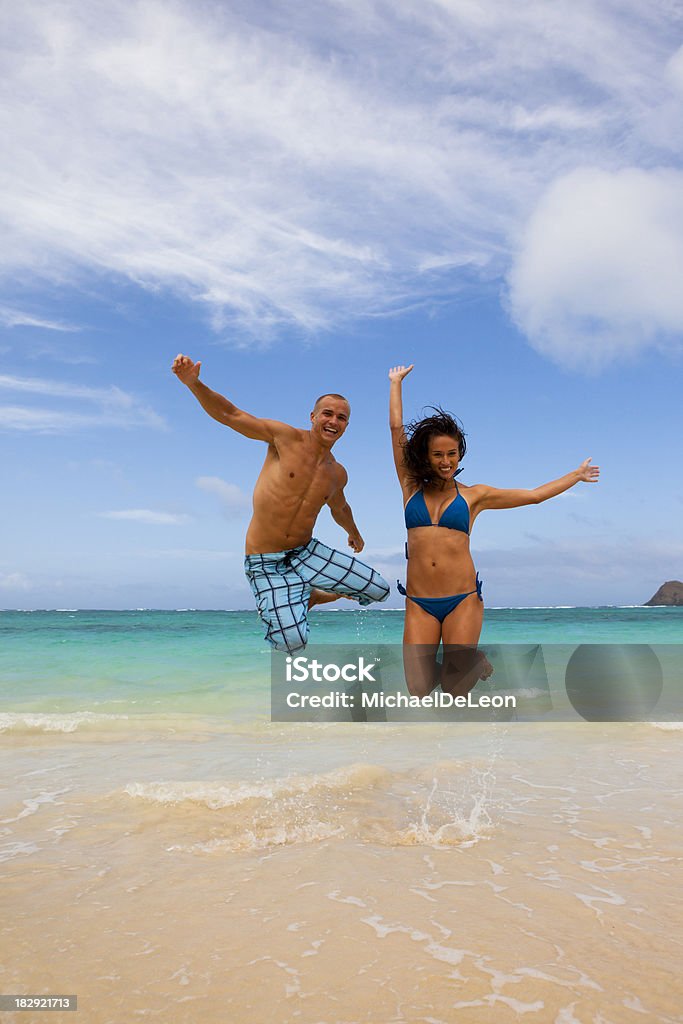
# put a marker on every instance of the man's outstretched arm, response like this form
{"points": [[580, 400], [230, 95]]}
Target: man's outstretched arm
{"points": [[221, 408]]}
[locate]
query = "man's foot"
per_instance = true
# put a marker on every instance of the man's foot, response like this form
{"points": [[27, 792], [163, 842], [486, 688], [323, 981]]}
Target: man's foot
{"points": [[323, 597]]}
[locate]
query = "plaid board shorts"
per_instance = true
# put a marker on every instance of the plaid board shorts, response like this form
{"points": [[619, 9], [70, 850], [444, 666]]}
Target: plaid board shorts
{"points": [[282, 582]]}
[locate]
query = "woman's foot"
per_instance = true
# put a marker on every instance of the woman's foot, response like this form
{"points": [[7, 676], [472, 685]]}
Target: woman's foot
{"points": [[485, 667], [462, 669]]}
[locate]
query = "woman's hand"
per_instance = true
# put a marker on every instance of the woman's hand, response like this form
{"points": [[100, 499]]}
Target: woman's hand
{"points": [[397, 373], [588, 473]]}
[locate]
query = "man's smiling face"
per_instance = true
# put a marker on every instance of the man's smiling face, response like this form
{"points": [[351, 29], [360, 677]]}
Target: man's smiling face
{"points": [[330, 418]]}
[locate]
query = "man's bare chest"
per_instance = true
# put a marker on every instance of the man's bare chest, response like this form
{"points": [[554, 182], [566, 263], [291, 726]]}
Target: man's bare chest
{"points": [[297, 474]]}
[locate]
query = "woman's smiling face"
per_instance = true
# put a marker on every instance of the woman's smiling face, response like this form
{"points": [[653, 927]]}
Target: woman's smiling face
{"points": [[443, 455]]}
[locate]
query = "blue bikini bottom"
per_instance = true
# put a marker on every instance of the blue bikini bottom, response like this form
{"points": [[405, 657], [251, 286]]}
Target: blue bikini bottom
{"points": [[440, 607]]}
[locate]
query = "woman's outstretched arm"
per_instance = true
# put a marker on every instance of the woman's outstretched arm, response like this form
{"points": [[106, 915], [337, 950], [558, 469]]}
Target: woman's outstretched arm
{"points": [[398, 436], [484, 496]]}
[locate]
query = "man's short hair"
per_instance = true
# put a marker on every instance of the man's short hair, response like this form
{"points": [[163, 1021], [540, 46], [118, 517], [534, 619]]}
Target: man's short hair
{"points": [[330, 394]]}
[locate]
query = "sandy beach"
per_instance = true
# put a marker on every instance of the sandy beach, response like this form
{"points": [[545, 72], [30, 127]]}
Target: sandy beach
{"points": [[490, 874]]}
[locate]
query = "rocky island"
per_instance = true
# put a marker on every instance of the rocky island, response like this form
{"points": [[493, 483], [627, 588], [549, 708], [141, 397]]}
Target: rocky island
{"points": [[670, 593]]}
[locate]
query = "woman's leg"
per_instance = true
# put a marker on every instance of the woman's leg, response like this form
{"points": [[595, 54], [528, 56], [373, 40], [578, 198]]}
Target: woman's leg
{"points": [[421, 637], [463, 625], [463, 664]]}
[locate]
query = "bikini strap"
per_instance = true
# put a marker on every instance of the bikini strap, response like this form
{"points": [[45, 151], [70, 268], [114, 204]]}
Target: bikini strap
{"points": [[401, 589]]}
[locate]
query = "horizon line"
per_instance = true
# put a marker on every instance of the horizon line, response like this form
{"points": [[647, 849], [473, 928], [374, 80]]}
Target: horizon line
{"points": [[343, 611]]}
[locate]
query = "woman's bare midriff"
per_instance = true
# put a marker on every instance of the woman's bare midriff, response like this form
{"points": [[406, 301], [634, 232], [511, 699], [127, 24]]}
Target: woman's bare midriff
{"points": [[439, 562]]}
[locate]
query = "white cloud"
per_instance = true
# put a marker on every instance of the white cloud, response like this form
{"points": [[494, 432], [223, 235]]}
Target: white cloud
{"points": [[43, 421], [117, 408], [297, 164], [605, 560], [14, 581], [674, 69], [54, 388], [10, 317], [234, 501], [145, 515], [600, 270], [58, 354], [391, 554]]}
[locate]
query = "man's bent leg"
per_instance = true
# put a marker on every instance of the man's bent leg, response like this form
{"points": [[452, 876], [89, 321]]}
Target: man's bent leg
{"points": [[338, 573], [281, 600]]}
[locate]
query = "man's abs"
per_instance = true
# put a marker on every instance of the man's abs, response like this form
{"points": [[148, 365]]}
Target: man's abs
{"points": [[287, 501]]}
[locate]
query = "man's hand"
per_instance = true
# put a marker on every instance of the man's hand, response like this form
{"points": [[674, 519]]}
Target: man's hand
{"points": [[399, 372], [589, 474], [185, 370], [356, 542]]}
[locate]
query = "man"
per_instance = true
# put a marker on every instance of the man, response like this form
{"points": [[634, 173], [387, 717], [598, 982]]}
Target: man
{"points": [[288, 569]]}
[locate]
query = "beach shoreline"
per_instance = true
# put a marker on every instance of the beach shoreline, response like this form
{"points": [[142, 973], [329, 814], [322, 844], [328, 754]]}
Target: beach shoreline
{"points": [[168, 852]]}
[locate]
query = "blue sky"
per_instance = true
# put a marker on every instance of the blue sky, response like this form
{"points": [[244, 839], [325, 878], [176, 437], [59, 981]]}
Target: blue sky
{"points": [[301, 199]]}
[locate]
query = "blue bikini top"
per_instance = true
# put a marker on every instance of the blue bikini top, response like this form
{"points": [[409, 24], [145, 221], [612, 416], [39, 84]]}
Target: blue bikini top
{"points": [[455, 516]]}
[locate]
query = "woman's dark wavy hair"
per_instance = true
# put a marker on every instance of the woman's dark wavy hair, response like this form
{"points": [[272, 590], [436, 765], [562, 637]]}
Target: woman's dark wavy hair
{"points": [[418, 435]]}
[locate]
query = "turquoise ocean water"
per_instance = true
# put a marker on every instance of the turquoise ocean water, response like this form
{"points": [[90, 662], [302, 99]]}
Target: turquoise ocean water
{"points": [[216, 662]]}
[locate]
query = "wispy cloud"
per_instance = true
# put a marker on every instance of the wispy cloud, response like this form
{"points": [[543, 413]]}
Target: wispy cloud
{"points": [[607, 560], [61, 389], [146, 515], [10, 317], [297, 165], [14, 581], [234, 501], [58, 354], [117, 408]]}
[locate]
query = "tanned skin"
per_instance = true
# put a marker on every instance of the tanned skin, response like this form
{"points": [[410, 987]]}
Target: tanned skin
{"points": [[439, 561], [299, 475]]}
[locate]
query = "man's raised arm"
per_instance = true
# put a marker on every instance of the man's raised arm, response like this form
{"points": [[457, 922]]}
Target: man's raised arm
{"points": [[220, 408]]}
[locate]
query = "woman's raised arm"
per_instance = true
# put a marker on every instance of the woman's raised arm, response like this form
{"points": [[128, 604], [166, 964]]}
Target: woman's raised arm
{"points": [[398, 436]]}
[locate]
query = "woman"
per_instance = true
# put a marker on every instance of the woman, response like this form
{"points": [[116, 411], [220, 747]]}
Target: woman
{"points": [[443, 591]]}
